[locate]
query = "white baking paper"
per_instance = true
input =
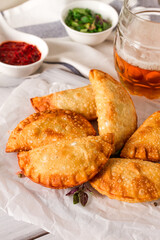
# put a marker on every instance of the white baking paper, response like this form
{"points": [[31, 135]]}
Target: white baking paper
{"points": [[102, 218]]}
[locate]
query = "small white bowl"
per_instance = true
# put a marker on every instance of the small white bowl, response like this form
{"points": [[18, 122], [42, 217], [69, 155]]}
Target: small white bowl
{"points": [[9, 34], [25, 70], [106, 11]]}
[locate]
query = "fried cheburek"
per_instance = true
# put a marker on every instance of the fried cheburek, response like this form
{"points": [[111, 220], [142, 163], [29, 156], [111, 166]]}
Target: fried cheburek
{"points": [[129, 180], [145, 142], [80, 100], [66, 163], [46, 127], [115, 110]]}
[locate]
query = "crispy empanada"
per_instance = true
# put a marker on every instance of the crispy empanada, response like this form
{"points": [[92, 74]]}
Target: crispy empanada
{"points": [[80, 100], [115, 109], [129, 180], [145, 142], [46, 127], [66, 163]]}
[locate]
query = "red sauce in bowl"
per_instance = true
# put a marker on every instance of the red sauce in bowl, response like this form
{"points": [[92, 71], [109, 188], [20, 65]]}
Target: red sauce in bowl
{"points": [[18, 53]]}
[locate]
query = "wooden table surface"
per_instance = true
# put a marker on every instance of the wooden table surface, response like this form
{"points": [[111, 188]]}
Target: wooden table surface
{"points": [[11, 229]]}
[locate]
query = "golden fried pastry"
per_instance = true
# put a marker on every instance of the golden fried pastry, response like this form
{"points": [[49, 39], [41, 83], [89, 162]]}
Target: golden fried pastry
{"points": [[46, 127], [145, 142], [115, 109], [129, 180], [66, 163], [80, 100]]}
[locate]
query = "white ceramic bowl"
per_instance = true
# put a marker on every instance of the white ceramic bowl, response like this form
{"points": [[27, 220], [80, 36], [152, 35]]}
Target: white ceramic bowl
{"points": [[9, 34], [102, 8]]}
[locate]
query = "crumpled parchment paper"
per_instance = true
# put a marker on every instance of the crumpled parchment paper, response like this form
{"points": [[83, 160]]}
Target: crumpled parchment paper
{"points": [[102, 218]]}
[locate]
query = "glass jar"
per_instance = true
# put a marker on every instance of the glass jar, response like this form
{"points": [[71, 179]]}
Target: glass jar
{"points": [[137, 47]]}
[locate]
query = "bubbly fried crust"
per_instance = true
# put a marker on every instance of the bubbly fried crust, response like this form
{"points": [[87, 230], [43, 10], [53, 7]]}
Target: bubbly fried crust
{"points": [[80, 100], [66, 163], [129, 180], [115, 109], [46, 127], [145, 142]]}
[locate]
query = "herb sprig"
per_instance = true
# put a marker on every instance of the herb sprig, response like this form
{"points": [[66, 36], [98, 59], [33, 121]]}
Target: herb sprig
{"points": [[20, 174], [79, 194]]}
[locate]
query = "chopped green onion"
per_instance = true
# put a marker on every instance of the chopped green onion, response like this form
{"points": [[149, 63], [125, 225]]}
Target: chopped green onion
{"points": [[84, 20]]}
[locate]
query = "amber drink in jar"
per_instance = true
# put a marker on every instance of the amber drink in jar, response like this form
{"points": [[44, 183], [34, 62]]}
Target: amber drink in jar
{"points": [[137, 47]]}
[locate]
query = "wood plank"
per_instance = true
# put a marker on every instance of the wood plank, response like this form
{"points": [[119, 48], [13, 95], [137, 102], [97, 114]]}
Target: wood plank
{"points": [[18, 230], [50, 237]]}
